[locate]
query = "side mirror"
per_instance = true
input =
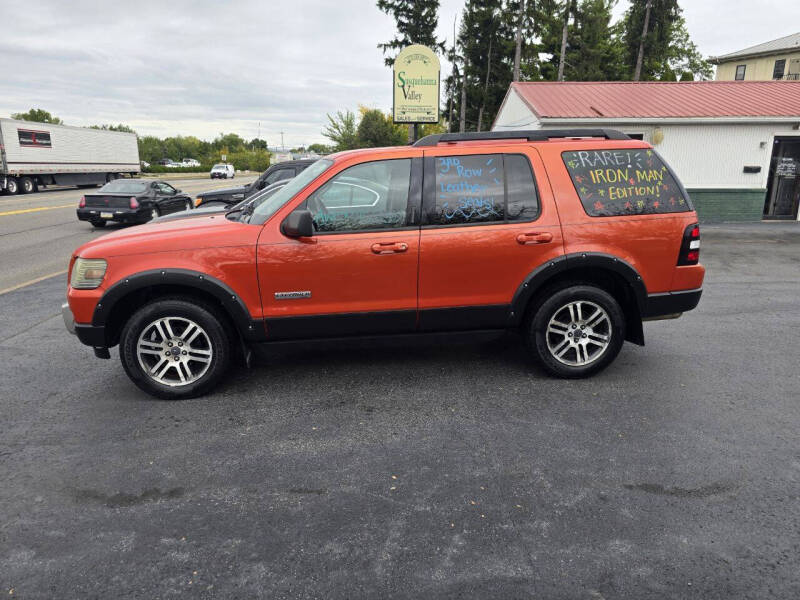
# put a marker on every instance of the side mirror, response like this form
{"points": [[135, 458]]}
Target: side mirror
{"points": [[299, 223]]}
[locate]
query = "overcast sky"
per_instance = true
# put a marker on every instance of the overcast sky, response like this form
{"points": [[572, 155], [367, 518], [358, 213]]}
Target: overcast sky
{"points": [[197, 67]]}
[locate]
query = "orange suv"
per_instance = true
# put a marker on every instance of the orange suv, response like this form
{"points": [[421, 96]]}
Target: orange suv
{"points": [[572, 237]]}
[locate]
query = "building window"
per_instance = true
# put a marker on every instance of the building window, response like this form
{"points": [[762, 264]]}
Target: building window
{"points": [[740, 72], [780, 66]]}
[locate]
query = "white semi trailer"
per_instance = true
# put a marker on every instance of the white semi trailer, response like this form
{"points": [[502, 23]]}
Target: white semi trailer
{"points": [[33, 155]]}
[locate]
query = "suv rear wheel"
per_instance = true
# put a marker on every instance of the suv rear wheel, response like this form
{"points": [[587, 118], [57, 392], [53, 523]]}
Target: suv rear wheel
{"points": [[175, 348], [577, 331]]}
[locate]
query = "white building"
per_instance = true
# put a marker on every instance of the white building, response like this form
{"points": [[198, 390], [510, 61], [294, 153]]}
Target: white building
{"points": [[734, 144]]}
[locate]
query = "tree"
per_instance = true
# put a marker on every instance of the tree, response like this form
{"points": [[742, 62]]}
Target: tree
{"points": [[640, 55], [569, 7], [37, 115], [656, 42], [120, 127], [487, 70], [377, 130], [319, 149], [416, 22], [257, 144], [341, 130], [229, 141], [518, 39], [596, 52]]}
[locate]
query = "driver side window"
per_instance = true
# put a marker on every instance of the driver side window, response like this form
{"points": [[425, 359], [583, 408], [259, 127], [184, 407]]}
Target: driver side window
{"points": [[371, 195]]}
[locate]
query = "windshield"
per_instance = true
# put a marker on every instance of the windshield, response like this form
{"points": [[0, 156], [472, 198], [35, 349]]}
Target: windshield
{"points": [[268, 208], [219, 167], [121, 186]]}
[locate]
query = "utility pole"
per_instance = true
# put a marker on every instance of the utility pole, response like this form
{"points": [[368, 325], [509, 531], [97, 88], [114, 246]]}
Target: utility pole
{"points": [[640, 57], [283, 148]]}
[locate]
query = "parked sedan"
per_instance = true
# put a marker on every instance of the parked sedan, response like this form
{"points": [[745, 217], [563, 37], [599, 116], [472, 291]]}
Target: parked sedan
{"points": [[131, 201], [212, 208]]}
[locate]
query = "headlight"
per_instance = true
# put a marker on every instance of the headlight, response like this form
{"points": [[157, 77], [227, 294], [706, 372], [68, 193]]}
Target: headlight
{"points": [[87, 273]]}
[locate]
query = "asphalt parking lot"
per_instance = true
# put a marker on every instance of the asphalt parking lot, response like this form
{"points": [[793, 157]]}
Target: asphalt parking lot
{"points": [[419, 470]]}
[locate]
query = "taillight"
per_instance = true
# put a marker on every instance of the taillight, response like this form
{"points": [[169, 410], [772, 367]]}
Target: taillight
{"points": [[690, 246], [134, 202], [82, 203]]}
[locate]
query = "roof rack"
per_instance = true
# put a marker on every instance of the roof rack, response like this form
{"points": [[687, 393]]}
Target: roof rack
{"points": [[532, 135]]}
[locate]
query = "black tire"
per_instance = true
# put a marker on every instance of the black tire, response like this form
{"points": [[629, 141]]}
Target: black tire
{"points": [[176, 308], [98, 223], [12, 186], [26, 185], [590, 353]]}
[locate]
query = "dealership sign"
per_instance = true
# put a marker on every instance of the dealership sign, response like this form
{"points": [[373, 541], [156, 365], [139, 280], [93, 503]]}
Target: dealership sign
{"points": [[416, 85]]}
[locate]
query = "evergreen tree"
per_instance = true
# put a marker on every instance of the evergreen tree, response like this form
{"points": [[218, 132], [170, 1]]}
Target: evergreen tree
{"points": [[416, 22], [549, 15], [665, 47], [595, 51], [487, 64]]}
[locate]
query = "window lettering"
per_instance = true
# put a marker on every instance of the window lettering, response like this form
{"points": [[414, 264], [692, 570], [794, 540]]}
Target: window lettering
{"points": [[624, 182], [482, 188]]}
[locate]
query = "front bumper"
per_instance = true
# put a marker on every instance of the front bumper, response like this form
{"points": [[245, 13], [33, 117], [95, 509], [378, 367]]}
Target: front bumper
{"points": [[69, 320], [89, 335]]}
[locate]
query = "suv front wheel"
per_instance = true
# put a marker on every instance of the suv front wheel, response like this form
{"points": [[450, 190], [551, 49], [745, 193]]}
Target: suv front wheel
{"points": [[577, 331], [175, 348]]}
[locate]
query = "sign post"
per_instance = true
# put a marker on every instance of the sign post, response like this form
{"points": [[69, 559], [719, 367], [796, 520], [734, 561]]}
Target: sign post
{"points": [[415, 87]]}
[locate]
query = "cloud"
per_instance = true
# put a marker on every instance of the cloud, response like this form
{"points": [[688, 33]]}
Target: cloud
{"points": [[199, 67]]}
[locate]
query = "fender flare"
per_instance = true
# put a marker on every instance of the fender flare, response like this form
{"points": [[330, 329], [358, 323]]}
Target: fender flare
{"points": [[230, 301], [579, 260]]}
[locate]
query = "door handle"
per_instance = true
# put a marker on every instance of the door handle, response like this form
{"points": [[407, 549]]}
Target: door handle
{"points": [[389, 247], [535, 238]]}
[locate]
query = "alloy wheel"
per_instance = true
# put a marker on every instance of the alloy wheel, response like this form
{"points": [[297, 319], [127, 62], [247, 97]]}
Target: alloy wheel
{"points": [[578, 333], [174, 351]]}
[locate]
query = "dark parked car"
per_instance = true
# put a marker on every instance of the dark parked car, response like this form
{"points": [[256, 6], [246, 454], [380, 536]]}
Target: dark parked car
{"points": [[131, 201], [214, 208], [231, 196]]}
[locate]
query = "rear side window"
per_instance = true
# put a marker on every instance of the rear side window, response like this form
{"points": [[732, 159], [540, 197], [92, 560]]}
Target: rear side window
{"points": [[481, 188], [611, 183]]}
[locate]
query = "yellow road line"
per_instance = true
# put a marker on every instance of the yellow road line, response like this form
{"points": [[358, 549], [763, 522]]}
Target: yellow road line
{"points": [[30, 210], [31, 282]]}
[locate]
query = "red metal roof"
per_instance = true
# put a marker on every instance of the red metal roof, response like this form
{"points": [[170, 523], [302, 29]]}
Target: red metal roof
{"points": [[660, 99]]}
